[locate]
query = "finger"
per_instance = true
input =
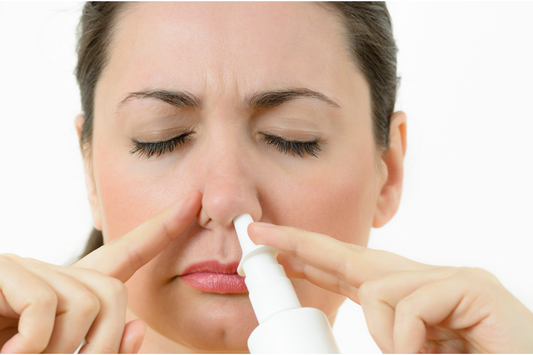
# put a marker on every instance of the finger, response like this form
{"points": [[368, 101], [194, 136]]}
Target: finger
{"points": [[6, 334], [296, 268], [34, 301], [6, 311], [9, 320], [379, 298], [123, 256], [450, 303], [105, 333], [133, 337], [76, 309], [352, 263]]}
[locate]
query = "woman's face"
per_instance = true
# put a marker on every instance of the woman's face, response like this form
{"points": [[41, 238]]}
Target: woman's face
{"points": [[229, 55]]}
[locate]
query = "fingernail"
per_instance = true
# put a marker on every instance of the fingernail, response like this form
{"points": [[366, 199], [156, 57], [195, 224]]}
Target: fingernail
{"points": [[265, 224]]}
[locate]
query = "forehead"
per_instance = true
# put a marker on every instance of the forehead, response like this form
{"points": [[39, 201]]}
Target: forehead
{"points": [[230, 47]]}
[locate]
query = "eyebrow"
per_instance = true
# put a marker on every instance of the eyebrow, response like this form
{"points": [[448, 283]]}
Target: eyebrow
{"points": [[266, 99]]}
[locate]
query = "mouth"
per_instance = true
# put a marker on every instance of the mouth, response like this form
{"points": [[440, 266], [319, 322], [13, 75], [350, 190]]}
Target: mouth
{"points": [[215, 277]]}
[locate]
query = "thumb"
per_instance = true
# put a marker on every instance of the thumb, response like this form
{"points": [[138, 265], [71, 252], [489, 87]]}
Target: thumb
{"points": [[133, 337]]}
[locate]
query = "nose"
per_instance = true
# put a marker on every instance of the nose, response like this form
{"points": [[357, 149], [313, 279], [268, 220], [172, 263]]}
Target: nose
{"points": [[228, 187]]}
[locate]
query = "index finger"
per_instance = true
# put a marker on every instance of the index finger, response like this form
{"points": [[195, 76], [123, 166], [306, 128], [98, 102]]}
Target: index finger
{"points": [[354, 264], [122, 257]]}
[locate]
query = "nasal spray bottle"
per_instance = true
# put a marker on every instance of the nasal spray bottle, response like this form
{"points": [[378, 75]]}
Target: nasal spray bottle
{"points": [[284, 326]]}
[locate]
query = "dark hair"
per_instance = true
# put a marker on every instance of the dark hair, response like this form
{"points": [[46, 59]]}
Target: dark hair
{"points": [[95, 31], [371, 43], [368, 35]]}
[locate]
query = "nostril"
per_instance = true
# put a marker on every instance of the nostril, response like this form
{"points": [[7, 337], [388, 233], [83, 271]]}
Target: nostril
{"points": [[203, 218], [223, 199]]}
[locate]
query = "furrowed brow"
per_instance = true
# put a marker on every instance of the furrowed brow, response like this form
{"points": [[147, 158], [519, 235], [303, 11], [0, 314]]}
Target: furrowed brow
{"points": [[271, 99], [180, 99], [265, 100]]}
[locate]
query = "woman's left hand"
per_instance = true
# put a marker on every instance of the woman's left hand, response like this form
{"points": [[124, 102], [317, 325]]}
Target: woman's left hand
{"points": [[409, 307]]}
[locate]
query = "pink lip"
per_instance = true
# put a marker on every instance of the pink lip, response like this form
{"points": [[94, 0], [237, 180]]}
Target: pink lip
{"points": [[213, 276]]}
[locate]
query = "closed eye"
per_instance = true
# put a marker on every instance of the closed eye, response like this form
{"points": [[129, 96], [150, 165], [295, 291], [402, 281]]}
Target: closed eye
{"points": [[158, 148], [301, 148]]}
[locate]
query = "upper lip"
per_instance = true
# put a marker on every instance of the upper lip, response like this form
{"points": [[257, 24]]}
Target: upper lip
{"points": [[212, 266]]}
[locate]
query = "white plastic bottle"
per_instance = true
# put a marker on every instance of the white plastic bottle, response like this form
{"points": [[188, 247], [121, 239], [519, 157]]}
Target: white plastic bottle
{"points": [[284, 325]]}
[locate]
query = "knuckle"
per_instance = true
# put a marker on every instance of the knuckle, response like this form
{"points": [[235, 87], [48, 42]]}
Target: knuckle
{"points": [[90, 273], [116, 288], [406, 307], [467, 271], [481, 278], [477, 275], [356, 248], [341, 268], [368, 292], [89, 305], [45, 297], [135, 258], [167, 229]]}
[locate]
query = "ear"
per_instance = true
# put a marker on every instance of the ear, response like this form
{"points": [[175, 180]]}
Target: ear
{"points": [[89, 179], [391, 186]]}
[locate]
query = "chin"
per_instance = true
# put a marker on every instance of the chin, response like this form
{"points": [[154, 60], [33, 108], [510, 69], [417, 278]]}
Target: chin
{"points": [[209, 321], [202, 321]]}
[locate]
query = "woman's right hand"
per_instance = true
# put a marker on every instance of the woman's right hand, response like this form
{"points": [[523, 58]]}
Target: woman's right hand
{"points": [[52, 309]]}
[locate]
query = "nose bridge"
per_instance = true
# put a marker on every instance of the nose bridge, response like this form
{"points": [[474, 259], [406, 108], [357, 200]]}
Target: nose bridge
{"points": [[228, 185]]}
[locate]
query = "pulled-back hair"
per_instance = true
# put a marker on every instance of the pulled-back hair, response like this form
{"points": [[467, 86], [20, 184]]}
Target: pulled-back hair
{"points": [[368, 36]]}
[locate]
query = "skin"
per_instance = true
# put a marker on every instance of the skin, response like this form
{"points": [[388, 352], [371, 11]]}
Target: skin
{"points": [[191, 47], [162, 214]]}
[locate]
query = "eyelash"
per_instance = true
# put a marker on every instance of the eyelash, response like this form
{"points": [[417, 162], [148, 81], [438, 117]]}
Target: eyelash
{"points": [[285, 146], [158, 148], [293, 147]]}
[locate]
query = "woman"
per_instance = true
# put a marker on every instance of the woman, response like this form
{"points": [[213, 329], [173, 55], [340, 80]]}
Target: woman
{"points": [[195, 113]]}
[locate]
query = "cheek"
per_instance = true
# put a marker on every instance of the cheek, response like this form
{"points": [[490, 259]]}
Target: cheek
{"points": [[337, 201], [129, 196]]}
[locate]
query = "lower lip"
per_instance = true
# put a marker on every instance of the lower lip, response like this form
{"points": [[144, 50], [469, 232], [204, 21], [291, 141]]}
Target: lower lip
{"points": [[215, 282]]}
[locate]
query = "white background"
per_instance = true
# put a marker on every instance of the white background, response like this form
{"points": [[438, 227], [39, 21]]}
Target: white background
{"points": [[467, 88]]}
